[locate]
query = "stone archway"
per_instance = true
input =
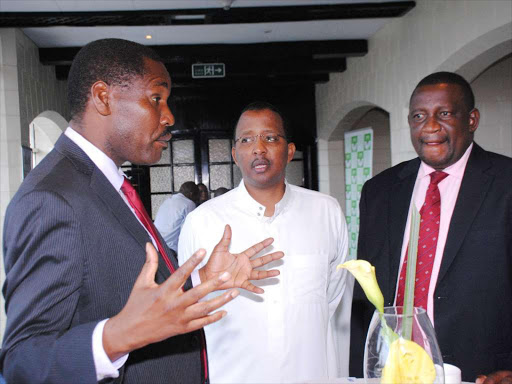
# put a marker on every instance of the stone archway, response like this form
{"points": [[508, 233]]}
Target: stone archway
{"points": [[486, 63], [331, 152], [45, 129]]}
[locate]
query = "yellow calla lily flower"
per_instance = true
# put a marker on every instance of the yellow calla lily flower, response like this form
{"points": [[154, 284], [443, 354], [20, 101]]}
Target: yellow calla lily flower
{"points": [[364, 272], [408, 363]]}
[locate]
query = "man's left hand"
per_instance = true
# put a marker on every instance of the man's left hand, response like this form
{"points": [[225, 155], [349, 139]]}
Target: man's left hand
{"points": [[240, 266], [499, 377]]}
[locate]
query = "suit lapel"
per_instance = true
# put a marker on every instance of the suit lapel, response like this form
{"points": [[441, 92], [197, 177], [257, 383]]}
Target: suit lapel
{"points": [[474, 188], [106, 192], [102, 187], [400, 199]]}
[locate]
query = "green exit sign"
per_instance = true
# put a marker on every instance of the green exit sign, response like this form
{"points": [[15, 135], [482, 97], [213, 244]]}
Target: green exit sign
{"points": [[200, 71]]}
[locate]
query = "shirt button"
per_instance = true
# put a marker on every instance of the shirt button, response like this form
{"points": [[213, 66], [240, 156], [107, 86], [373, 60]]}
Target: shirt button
{"points": [[259, 214], [261, 208]]}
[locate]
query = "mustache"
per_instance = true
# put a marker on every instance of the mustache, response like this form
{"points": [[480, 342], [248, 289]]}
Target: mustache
{"points": [[262, 161], [166, 134]]}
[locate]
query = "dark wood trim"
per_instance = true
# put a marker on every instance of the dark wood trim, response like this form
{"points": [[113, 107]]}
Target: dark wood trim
{"points": [[208, 16], [189, 54]]}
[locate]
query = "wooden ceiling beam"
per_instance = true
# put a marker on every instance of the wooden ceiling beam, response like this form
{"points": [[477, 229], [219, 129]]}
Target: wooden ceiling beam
{"points": [[219, 52], [250, 68], [208, 16]]}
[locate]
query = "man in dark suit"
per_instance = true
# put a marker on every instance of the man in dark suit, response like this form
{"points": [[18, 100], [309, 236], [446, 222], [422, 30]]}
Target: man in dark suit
{"points": [[469, 295], [87, 296]]}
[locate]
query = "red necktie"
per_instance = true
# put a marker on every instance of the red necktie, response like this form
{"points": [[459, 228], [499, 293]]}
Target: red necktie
{"points": [[136, 203], [133, 198], [427, 242]]}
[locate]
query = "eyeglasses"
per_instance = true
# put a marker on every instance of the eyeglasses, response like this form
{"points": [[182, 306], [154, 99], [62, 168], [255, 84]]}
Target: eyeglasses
{"points": [[267, 138]]}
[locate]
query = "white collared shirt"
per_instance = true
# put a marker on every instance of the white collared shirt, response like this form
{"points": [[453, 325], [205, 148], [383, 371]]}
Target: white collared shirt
{"points": [[448, 190], [171, 216], [286, 334]]}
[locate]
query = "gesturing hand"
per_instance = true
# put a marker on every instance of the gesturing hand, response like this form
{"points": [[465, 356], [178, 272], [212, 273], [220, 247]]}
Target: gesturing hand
{"points": [[240, 266], [156, 312]]}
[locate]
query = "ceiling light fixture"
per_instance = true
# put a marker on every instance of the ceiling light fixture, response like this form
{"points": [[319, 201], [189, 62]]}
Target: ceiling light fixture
{"points": [[188, 17], [149, 37]]}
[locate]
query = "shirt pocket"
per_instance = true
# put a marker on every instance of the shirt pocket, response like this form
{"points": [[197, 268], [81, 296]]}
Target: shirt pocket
{"points": [[307, 276]]}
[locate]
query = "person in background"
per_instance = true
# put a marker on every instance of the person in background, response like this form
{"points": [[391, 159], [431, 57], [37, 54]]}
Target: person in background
{"points": [[220, 191], [87, 296], [171, 214], [203, 193], [464, 265], [292, 329]]}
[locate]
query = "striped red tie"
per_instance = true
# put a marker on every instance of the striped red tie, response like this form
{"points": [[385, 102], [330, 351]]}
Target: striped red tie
{"points": [[133, 198], [427, 242]]}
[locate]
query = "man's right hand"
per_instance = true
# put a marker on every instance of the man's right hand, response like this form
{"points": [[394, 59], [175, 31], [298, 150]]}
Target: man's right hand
{"points": [[156, 312]]}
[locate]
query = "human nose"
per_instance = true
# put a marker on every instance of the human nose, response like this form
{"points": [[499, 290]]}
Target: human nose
{"points": [[167, 118], [431, 124], [259, 145]]}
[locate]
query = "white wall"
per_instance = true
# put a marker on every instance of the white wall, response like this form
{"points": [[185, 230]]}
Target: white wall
{"points": [[10, 136], [435, 35], [27, 89], [39, 90], [493, 97]]}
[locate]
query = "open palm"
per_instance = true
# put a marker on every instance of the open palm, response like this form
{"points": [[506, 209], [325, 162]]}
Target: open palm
{"points": [[241, 266]]}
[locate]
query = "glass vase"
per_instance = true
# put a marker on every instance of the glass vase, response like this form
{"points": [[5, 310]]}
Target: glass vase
{"points": [[390, 358]]}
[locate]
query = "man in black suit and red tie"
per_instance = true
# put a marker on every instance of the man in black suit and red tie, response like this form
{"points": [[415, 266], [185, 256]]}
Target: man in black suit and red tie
{"points": [[467, 291], [88, 297]]}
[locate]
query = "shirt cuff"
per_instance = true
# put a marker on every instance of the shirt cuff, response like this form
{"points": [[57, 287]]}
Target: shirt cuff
{"points": [[104, 367], [196, 279]]}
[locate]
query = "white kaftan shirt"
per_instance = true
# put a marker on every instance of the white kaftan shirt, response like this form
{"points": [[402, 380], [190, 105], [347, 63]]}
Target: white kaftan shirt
{"points": [[287, 334]]}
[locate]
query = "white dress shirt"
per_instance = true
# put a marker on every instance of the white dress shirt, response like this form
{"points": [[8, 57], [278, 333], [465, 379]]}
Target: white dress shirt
{"points": [[171, 216], [448, 190], [287, 333], [104, 367]]}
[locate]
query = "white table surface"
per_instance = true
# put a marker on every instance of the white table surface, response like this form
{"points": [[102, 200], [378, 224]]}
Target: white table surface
{"points": [[348, 380]]}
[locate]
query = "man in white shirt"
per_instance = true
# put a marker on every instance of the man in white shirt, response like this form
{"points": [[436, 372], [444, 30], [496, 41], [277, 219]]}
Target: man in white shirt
{"points": [[290, 327], [173, 211], [469, 292], [87, 296]]}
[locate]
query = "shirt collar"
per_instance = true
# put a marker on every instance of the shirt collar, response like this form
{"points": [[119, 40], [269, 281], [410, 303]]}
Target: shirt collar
{"points": [[456, 170], [100, 159], [254, 208]]}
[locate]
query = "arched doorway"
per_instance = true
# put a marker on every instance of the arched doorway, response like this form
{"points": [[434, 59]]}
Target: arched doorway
{"points": [[331, 153], [45, 129], [486, 62]]}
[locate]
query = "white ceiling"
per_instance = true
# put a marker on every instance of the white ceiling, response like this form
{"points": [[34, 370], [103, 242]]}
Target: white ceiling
{"points": [[49, 37]]}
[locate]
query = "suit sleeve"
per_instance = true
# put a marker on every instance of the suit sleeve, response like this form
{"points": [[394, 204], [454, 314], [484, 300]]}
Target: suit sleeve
{"points": [[45, 267]]}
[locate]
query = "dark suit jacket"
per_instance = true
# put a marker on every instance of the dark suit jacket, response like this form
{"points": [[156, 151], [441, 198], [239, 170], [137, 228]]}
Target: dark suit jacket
{"points": [[73, 250], [473, 295]]}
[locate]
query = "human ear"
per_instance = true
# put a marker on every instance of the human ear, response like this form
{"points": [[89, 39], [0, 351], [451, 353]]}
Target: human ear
{"points": [[233, 155], [291, 151], [474, 120], [100, 97]]}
